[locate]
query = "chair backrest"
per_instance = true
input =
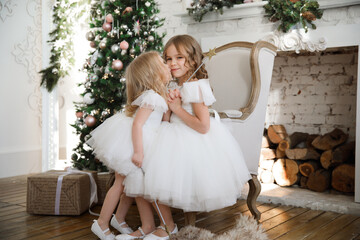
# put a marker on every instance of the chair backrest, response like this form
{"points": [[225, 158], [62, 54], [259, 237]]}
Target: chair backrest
{"points": [[240, 75]]}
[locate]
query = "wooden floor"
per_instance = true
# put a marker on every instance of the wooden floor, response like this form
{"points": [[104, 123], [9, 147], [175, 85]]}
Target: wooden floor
{"points": [[279, 222]]}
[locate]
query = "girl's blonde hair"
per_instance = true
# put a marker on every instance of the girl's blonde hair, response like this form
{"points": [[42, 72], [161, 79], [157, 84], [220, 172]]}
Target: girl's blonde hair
{"points": [[188, 46], [144, 73]]}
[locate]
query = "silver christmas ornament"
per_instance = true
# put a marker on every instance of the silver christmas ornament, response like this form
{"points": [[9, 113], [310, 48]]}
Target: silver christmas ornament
{"points": [[90, 36], [145, 33], [102, 45], [130, 33], [98, 11], [147, 4], [94, 78], [123, 52], [156, 19], [55, 71], [122, 79], [88, 84], [115, 48], [132, 50], [151, 38], [88, 99]]}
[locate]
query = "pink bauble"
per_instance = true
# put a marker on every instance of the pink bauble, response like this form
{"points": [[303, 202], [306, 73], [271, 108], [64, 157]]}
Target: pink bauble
{"points": [[79, 114], [124, 45], [107, 27], [109, 18], [93, 44], [90, 121], [117, 65]]}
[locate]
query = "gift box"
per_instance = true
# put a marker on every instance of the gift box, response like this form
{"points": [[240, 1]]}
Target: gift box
{"points": [[104, 182], [61, 192]]}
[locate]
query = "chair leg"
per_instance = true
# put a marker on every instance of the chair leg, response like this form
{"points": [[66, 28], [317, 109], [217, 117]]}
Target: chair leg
{"points": [[190, 218], [254, 191]]}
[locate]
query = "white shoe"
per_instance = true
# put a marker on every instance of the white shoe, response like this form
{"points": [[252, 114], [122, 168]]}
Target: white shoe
{"points": [[96, 229], [118, 226], [152, 236], [129, 237]]}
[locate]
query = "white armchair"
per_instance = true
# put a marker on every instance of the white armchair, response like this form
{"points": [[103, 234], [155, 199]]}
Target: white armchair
{"points": [[240, 75]]}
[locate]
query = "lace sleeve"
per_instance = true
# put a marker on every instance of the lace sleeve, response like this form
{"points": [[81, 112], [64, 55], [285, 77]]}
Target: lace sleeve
{"points": [[151, 100]]}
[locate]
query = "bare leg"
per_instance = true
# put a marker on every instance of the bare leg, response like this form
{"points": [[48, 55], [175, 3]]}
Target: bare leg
{"points": [[110, 202], [123, 208], [146, 216], [166, 214]]}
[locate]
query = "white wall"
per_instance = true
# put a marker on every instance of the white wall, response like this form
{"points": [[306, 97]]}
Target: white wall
{"points": [[20, 98]]}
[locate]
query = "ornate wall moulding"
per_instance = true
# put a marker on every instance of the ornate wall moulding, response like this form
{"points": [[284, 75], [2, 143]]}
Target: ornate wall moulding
{"points": [[7, 9], [28, 53], [296, 40]]}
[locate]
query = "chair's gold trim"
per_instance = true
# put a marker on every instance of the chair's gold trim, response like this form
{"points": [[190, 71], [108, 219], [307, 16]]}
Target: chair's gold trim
{"points": [[255, 72]]}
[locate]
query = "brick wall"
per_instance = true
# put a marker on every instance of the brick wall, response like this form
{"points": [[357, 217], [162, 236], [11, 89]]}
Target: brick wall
{"points": [[314, 92]]}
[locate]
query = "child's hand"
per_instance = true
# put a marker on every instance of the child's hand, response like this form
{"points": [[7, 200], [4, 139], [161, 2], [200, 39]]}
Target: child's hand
{"points": [[173, 94], [174, 104], [137, 159]]}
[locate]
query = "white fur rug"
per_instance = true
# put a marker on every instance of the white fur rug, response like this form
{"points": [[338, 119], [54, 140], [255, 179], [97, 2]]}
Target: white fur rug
{"points": [[246, 228]]}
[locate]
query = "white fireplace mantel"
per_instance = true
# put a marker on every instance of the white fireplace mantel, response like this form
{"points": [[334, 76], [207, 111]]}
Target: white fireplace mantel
{"points": [[344, 13]]}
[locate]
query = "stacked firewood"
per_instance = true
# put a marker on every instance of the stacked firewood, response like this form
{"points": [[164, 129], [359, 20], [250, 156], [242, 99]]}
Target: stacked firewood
{"points": [[316, 162]]}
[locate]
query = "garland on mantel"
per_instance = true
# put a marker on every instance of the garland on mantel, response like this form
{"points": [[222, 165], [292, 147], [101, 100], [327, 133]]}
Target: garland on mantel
{"points": [[292, 12], [65, 12], [288, 12]]}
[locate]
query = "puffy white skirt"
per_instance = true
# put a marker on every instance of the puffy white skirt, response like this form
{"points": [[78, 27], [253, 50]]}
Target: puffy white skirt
{"points": [[112, 144], [193, 171]]}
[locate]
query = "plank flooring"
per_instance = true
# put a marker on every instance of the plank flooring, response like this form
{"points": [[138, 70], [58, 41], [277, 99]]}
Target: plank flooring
{"points": [[279, 222]]}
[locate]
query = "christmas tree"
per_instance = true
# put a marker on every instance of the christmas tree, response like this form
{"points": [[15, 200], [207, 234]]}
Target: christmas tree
{"points": [[119, 31]]}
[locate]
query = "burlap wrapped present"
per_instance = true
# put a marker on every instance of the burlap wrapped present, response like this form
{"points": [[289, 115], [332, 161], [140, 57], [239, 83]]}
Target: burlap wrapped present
{"points": [[104, 182], [61, 192]]}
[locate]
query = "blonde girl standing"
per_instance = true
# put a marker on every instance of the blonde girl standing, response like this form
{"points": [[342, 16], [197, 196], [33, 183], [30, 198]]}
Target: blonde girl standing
{"points": [[123, 140]]}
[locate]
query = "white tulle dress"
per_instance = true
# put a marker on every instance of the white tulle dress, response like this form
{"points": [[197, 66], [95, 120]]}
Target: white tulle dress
{"points": [[194, 171], [112, 141]]}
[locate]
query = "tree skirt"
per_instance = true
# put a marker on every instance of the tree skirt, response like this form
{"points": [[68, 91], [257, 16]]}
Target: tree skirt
{"points": [[246, 228]]}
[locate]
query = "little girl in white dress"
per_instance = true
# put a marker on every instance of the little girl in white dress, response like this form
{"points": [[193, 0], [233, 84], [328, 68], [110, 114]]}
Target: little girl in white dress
{"points": [[196, 163], [122, 141]]}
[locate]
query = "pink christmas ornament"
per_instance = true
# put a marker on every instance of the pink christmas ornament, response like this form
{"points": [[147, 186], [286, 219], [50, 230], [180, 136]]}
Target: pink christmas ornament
{"points": [[79, 114], [90, 121], [124, 45], [92, 44], [107, 27], [127, 10], [109, 18], [117, 65]]}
